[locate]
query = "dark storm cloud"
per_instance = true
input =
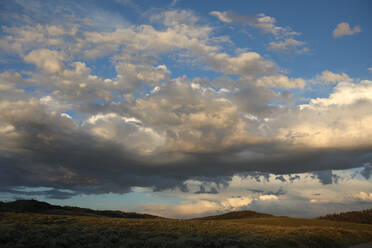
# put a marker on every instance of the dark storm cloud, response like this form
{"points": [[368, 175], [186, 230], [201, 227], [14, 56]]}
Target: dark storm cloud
{"points": [[50, 193], [46, 149], [366, 171], [281, 178], [50, 153], [326, 177], [202, 190], [279, 192], [256, 190]]}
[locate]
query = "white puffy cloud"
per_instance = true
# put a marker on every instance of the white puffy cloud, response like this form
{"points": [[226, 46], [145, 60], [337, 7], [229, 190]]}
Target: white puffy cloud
{"points": [[8, 89], [261, 21], [127, 131], [343, 28], [281, 81], [75, 84], [289, 44], [135, 49], [267, 25], [364, 196], [130, 74], [176, 18], [24, 39], [249, 64], [49, 61], [328, 77], [235, 203], [341, 120], [268, 197], [54, 105], [196, 119], [222, 16], [181, 31], [199, 207], [345, 93]]}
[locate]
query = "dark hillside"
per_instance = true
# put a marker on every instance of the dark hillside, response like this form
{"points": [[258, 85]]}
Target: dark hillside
{"points": [[363, 217], [31, 206], [237, 215], [34, 206]]}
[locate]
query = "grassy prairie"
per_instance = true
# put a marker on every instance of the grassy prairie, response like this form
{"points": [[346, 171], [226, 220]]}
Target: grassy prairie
{"points": [[44, 230]]}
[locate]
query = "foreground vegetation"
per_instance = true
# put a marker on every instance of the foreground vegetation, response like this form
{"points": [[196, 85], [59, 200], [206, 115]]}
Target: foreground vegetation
{"points": [[45, 230]]}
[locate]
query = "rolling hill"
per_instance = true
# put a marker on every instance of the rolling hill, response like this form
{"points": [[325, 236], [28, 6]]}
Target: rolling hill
{"points": [[237, 215], [364, 216], [34, 206]]}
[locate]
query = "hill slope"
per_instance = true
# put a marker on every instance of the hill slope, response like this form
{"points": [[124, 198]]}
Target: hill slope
{"points": [[237, 215], [33, 206], [364, 216]]}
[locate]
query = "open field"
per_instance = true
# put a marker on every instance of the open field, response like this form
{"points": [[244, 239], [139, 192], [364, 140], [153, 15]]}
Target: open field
{"points": [[43, 230]]}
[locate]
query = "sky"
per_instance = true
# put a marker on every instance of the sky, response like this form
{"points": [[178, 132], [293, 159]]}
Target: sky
{"points": [[187, 108]]}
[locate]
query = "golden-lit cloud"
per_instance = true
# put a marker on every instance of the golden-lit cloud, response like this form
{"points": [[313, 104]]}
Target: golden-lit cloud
{"points": [[344, 28]]}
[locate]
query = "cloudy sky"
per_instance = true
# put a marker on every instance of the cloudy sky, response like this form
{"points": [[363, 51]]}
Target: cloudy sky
{"points": [[187, 108]]}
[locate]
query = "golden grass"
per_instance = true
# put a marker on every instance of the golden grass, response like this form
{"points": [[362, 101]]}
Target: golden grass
{"points": [[41, 230]]}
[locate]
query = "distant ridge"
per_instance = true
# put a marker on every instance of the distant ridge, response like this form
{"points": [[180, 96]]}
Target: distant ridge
{"points": [[34, 206], [363, 217], [237, 215]]}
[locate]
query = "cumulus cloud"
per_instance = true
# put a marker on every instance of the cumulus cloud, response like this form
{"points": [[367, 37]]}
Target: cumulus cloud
{"points": [[129, 132], [268, 197], [195, 119], [343, 29], [281, 81], [7, 85], [261, 21], [328, 77], [364, 196], [267, 25], [330, 122], [345, 93], [250, 63], [287, 45], [47, 60], [196, 208]]}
